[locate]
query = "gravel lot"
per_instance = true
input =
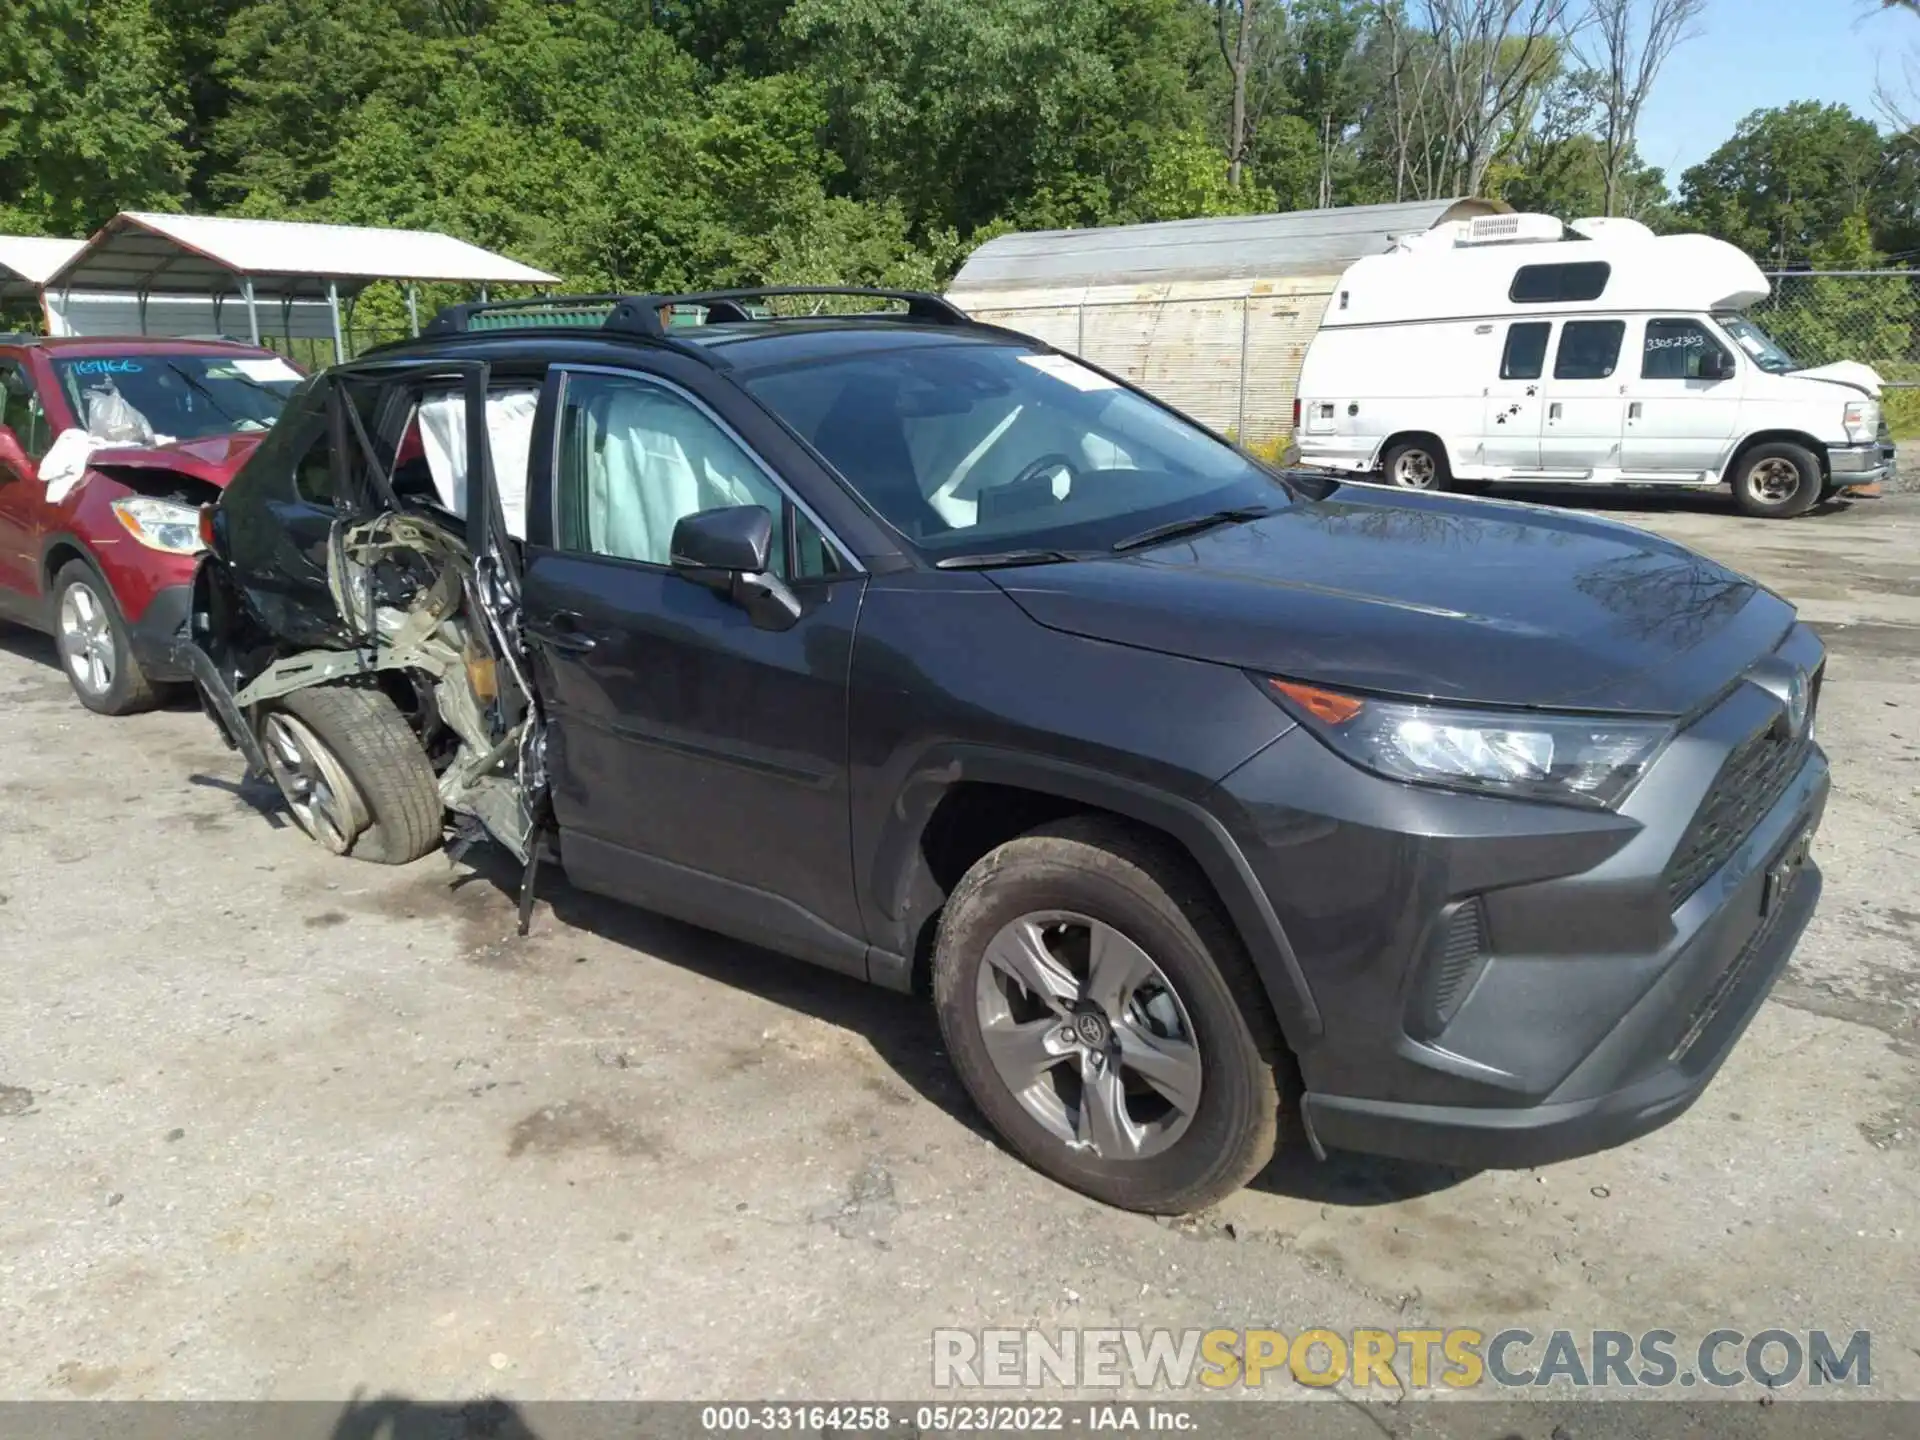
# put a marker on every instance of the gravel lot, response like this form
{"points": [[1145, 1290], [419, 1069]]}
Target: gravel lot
{"points": [[278, 1125]]}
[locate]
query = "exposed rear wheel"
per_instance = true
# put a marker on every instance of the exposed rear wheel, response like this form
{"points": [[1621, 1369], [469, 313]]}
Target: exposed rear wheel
{"points": [[1416, 465], [1105, 1018], [1777, 480], [352, 773]]}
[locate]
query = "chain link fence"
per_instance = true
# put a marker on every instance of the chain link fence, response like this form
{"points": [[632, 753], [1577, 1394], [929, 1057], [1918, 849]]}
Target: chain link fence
{"points": [[1872, 316]]}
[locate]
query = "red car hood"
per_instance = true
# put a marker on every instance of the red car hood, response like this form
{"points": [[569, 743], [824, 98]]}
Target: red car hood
{"points": [[214, 458]]}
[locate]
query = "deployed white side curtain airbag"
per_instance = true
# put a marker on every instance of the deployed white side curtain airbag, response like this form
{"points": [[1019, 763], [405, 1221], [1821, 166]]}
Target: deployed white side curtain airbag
{"points": [[647, 467], [443, 435]]}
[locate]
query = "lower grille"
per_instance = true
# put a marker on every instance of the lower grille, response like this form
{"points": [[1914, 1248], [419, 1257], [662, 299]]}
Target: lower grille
{"points": [[1729, 980], [1754, 777]]}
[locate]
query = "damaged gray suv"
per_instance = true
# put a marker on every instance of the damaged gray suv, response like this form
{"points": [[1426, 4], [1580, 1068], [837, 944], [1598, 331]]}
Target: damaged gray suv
{"points": [[1196, 795]]}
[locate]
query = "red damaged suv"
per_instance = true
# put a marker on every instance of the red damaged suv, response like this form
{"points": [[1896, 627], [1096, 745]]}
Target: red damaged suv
{"points": [[108, 447]]}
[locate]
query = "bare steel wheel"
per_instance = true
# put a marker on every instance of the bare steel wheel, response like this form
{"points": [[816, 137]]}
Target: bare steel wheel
{"points": [[1089, 1035], [1774, 480], [1415, 465], [1102, 1012], [1777, 480]]}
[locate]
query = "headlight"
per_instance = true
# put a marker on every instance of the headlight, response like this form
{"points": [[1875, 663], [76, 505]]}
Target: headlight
{"points": [[1862, 421], [1570, 759], [160, 524]]}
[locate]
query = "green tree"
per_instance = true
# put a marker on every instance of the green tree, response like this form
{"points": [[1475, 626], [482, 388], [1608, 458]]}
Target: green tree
{"points": [[296, 73], [1822, 318], [90, 115], [1787, 182], [1559, 166], [965, 111]]}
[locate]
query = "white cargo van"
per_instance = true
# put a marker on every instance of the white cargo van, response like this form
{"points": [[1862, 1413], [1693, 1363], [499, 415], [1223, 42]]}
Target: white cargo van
{"points": [[1513, 348]]}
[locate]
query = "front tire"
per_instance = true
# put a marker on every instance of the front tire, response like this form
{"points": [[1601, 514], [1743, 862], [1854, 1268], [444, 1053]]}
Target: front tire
{"points": [[96, 649], [1416, 465], [1777, 480], [352, 773], [1105, 1018]]}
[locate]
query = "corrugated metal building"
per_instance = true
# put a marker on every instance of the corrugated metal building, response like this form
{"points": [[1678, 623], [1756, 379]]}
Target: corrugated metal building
{"points": [[1212, 315]]}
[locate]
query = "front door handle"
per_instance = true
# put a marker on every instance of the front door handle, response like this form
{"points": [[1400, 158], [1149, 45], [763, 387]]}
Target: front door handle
{"points": [[563, 630]]}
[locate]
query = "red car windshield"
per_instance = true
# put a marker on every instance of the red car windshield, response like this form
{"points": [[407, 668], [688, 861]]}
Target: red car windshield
{"points": [[182, 396]]}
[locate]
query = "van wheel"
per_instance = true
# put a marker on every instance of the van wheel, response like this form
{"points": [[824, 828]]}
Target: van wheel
{"points": [[1416, 465], [352, 773], [1105, 1018], [1777, 480]]}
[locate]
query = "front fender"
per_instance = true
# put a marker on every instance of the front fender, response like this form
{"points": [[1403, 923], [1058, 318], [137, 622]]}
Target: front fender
{"points": [[908, 895]]}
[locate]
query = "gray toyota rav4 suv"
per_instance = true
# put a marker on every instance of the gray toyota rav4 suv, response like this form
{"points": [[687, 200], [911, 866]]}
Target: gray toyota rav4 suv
{"points": [[1196, 795]]}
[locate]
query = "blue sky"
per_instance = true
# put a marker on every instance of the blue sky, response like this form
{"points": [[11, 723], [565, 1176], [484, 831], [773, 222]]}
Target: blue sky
{"points": [[1755, 54]]}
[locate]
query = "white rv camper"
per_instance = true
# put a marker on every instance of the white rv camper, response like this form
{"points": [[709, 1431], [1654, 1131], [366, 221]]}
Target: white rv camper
{"points": [[1513, 348]]}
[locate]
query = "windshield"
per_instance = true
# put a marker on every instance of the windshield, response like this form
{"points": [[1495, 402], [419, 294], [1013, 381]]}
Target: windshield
{"points": [[180, 397], [971, 449], [1758, 344]]}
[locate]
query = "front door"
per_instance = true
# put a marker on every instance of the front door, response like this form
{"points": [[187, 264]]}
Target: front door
{"points": [[22, 496], [1511, 429], [1682, 407], [1585, 407], [699, 762]]}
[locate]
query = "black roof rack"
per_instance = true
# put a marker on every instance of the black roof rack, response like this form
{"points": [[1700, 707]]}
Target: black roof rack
{"points": [[640, 314]]}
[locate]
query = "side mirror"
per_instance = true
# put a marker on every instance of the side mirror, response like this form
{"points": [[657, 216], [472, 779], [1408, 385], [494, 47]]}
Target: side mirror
{"points": [[1716, 365], [733, 540], [727, 550], [14, 463]]}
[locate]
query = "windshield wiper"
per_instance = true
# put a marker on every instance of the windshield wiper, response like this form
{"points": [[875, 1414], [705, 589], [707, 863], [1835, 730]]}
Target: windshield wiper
{"points": [[994, 560], [1193, 525], [206, 390]]}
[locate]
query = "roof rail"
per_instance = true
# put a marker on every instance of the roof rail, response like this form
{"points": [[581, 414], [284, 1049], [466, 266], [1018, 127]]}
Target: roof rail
{"points": [[921, 304], [640, 314]]}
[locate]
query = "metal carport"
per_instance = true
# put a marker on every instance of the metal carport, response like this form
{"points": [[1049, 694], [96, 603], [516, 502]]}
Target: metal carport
{"points": [[27, 262], [141, 253]]}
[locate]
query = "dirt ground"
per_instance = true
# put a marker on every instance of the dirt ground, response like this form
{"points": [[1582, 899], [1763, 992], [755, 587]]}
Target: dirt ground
{"points": [[278, 1125]]}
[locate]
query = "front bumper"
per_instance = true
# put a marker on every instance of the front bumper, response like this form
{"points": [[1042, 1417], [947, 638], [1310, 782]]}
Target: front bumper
{"points": [[1737, 964], [1593, 997], [159, 633], [1860, 464]]}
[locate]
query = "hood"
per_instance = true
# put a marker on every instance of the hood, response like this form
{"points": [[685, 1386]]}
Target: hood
{"points": [[1430, 597], [213, 458], [1863, 378]]}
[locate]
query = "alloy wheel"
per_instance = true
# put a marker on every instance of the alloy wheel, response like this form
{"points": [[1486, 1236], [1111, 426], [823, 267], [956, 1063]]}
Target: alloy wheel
{"points": [[322, 796], [1089, 1035], [86, 640]]}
